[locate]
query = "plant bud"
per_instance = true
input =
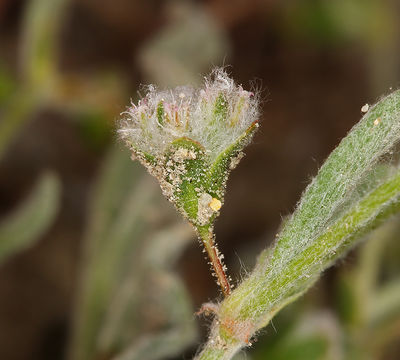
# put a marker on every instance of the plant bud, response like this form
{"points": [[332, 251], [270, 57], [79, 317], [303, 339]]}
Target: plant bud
{"points": [[190, 139]]}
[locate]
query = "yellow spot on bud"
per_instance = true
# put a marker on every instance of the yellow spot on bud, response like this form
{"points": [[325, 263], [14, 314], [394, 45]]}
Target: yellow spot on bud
{"points": [[377, 121], [215, 204]]}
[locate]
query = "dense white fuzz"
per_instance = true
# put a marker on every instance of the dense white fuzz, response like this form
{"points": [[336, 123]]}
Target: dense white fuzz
{"points": [[214, 116], [190, 139]]}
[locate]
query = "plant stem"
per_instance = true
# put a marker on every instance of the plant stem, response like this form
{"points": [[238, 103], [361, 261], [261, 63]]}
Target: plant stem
{"points": [[206, 236]]}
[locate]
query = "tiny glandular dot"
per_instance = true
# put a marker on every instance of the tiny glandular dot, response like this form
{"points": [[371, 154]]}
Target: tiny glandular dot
{"points": [[365, 108]]}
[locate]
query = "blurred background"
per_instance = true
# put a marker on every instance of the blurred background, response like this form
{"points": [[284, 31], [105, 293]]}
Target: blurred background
{"points": [[94, 263]]}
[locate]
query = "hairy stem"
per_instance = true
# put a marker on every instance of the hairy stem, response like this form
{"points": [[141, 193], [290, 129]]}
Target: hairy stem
{"points": [[206, 236]]}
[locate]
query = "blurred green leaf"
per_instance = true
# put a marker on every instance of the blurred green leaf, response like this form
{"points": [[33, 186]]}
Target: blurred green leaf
{"points": [[358, 292], [143, 282], [94, 128], [7, 84], [172, 300], [119, 284], [311, 20], [16, 112], [115, 222], [172, 56], [370, 312], [387, 303], [345, 300], [31, 220], [314, 336], [41, 28], [167, 245], [312, 348], [41, 25]]}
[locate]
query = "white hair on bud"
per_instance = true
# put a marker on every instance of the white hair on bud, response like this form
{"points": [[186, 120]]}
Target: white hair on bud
{"points": [[215, 116]]}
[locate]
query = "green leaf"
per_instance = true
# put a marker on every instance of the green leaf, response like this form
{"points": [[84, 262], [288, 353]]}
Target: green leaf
{"points": [[156, 256], [345, 169], [178, 44], [121, 246], [41, 25], [336, 209], [386, 303], [116, 223], [309, 348], [42, 22], [15, 114], [7, 83], [26, 225], [218, 172], [302, 267], [125, 327]]}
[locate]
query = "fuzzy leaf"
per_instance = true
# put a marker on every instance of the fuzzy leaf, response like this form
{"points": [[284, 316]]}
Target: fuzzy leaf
{"points": [[41, 25], [225, 162], [335, 211], [40, 37], [116, 221], [30, 221], [119, 268]]}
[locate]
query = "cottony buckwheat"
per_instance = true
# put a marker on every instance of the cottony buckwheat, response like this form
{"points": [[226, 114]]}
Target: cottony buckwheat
{"points": [[190, 139]]}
